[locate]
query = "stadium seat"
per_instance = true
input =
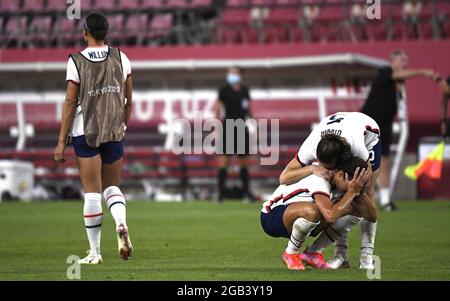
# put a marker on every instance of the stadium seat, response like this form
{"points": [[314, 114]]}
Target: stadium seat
{"points": [[64, 32], [104, 5], [116, 26], [32, 5], [152, 4], [160, 27], [9, 6], [238, 3], [128, 4], [200, 3], [136, 27], [14, 31], [39, 30], [56, 5], [177, 4], [261, 2]]}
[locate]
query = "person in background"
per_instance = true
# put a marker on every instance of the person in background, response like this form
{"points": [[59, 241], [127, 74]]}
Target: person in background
{"points": [[445, 123], [381, 105], [234, 102]]}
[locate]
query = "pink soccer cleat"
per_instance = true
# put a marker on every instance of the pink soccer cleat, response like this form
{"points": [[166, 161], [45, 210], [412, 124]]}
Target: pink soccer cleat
{"points": [[293, 261], [315, 260]]}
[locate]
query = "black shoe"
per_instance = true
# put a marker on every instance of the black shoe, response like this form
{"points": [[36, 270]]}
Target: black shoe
{"points": [[393, 206]]}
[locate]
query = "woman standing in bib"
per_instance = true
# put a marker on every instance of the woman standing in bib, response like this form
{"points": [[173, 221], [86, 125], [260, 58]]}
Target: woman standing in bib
{"points": [[96, 112]]}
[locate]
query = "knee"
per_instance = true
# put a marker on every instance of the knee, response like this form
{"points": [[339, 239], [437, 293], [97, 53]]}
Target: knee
{"points": [[311, 213]]}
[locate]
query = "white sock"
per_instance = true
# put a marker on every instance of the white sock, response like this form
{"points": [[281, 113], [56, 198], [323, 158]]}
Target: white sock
{"points": [[93, 218], [384, 196], [300, 230], [116, 204], [337, 233], [368, 232]]}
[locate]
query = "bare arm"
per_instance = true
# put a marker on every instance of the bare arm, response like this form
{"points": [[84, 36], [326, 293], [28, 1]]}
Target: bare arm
{"points": [[331, 212], [408, 73], [444, 86], [294, 172], [68, 115], [129, 97]]}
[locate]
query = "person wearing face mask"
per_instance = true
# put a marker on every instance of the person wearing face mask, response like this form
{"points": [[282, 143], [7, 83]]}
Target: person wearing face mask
{"points": [[233, 105]]}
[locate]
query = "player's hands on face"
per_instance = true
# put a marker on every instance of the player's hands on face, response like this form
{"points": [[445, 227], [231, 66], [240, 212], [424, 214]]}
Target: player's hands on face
{"points": [[59, 152], [322, 172], [360, 178]]}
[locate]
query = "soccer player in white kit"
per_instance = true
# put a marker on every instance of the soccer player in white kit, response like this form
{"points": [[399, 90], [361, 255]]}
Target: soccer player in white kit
{"points": [[362, 135]]}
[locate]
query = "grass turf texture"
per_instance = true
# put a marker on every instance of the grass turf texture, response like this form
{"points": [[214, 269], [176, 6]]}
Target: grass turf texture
{"points": [[208, 241]]}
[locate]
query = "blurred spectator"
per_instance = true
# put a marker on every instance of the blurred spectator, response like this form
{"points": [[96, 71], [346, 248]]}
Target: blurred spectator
{"points": [[358, 20], [411, 11]]}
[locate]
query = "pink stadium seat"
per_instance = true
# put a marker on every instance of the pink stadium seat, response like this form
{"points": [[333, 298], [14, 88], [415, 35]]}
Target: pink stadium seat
{"points": [[65, 31], [104, 5], [116, 24], [240, 16], [32, 5], [177, 4], [200, 3], [285, 2], [261, 2], [235, 3], [160, 26], [56, 5], [39, 30], [283, 15], [152, 4], [128, 4], [14, 29], [9, 5], [136, 26]]}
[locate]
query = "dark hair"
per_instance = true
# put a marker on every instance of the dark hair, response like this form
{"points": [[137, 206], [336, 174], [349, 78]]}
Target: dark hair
{"points": [[351, 165], [333, 149], [97, 25], [396, 53]]}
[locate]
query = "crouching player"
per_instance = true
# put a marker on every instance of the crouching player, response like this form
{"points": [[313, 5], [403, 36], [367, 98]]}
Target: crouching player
{"points": [[295, 210], [96, 112]]}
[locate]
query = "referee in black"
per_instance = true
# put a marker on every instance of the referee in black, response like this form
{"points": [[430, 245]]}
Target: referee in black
{"points": [[381, 105], [234, 104]]}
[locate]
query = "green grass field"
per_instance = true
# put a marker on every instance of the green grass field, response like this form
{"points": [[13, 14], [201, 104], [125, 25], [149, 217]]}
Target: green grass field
{"points": [[208, 241]]}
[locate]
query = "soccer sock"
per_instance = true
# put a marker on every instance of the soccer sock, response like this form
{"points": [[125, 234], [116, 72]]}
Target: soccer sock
{"points": [[244, 179], [337, 233], [116, 204], [93, 218], [221, 177], [368, 232], [300, 230], [384, 196]]}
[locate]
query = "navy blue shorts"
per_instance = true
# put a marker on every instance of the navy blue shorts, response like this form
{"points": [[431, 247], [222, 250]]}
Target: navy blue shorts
{"points": [[375, 156], [272, 222], [110, 152]]}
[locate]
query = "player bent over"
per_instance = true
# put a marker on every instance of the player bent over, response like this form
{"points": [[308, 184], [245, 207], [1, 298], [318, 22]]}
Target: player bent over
{"points": [[343, 133], [96, 112], [295, 210]]}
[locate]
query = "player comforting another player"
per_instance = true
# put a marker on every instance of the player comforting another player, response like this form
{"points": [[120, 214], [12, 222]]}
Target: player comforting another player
{"points": [[95, 115], [295, 210], [360, 137]]}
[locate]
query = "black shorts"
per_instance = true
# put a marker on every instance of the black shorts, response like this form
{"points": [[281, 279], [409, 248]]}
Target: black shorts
{"points": [[110, 152], [385, 137], [237, 143], [272, 222]]}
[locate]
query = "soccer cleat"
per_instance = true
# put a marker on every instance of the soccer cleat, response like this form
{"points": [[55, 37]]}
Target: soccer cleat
{"points": [[315, 260], [125, 247], [293, 261], [338, 263], [366, 262], [91, 259]]}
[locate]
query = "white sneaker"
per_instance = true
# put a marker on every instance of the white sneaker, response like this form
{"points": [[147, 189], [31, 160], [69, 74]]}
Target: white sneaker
{"points": [[335, 262], [91, 259], [366, 262], [125, 247]]}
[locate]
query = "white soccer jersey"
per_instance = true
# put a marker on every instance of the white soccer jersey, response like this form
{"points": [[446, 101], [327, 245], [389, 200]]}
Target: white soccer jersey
{"points": [[360, 131], [302, 191], [95, 54]]}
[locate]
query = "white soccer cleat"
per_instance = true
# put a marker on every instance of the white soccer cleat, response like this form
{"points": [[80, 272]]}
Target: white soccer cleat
{"points": [[125, 247], [366, 262], [91, 259], [335, 263]]}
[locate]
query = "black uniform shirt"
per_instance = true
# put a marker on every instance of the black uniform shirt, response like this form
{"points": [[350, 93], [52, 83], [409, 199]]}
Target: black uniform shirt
{"points": [[236, 103], [381, 104]]}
